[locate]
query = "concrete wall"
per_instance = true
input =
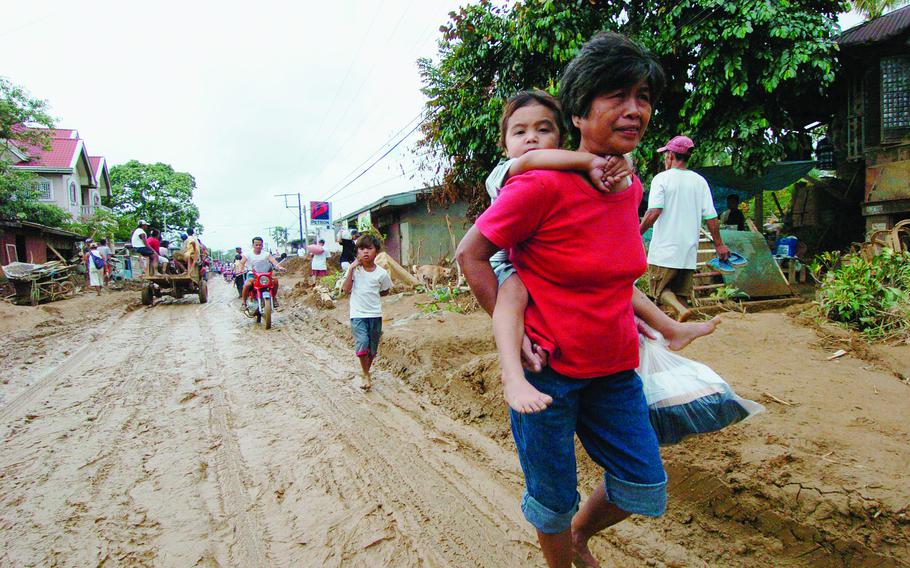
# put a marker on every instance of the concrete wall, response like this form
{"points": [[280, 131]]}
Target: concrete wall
{"points": [[426, 238], [61, 193]]}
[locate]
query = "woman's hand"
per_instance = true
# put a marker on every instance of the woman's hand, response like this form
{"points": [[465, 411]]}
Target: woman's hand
{"points": [[533, 356]]}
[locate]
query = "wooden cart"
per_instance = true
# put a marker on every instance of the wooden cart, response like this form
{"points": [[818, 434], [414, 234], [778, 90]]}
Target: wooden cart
{"points": [[37, 283], [174, 285]]}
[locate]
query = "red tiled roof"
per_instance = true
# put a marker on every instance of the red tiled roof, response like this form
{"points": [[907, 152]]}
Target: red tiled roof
{"points": [[60, 156], [63, 133], [880, 29]]}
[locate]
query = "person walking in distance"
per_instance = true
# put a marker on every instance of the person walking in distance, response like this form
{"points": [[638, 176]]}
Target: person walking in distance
{"points": [[679, 201], [365, 281], [319, 263]]}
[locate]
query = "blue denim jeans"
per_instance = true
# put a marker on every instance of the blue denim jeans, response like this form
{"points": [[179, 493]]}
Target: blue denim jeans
{"points": [[610, 416], [367, 332]]}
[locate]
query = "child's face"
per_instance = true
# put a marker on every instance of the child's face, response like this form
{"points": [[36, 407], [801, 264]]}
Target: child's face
{"points": [[367, 254], [531, 127], [616, 121]]}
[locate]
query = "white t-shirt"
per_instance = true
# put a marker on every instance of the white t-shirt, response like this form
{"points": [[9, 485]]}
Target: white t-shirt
{"points": [[136, 240], [253, 259], [365, 302], [163, 253], [494, 183], [319, 261], [686, 201]]}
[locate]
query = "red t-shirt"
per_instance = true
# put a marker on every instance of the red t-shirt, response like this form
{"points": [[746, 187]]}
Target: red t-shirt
{"points": [[578, 252], [153, 243]]}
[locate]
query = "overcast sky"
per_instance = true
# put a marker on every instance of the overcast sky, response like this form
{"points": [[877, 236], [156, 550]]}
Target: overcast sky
{"points": [[253, 99]]}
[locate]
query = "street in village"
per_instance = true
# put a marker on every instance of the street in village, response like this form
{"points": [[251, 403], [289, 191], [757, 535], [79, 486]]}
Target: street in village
{"points": [[184, 434]]}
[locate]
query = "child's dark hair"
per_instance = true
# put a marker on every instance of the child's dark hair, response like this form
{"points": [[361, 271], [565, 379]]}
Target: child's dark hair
{"points": [[368, 241], [238, 257], [609, 61], [523, 99]]}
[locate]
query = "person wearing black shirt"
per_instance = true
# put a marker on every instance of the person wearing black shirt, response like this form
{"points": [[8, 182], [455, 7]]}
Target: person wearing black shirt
{"points": [[733, 215], [348, 249]]}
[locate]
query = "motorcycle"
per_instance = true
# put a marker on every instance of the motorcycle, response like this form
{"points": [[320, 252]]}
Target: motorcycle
{"points": [[262, 293]]}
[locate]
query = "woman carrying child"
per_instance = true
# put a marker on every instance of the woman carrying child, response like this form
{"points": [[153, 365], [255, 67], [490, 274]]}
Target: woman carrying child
{"points": [[575, 246]]}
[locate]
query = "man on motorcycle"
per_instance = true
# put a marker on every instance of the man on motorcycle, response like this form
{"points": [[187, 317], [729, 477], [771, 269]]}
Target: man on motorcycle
{"points": [[246, 266]]}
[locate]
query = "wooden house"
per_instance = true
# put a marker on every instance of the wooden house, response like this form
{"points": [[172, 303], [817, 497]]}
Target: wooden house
{"points": [[416, 231], [871, 127]]}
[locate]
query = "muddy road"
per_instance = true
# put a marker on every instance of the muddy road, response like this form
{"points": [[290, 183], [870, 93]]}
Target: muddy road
{"points": [[185, 435]]}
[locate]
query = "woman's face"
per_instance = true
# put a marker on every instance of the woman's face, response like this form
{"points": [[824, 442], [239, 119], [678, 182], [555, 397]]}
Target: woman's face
{"points": [[616, 121]]}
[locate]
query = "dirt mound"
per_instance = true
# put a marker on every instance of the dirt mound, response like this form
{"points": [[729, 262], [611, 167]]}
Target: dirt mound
{"points": [[297, 265]]}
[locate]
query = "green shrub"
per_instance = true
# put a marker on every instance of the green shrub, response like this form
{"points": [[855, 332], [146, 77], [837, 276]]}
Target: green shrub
{"points": [[870, 296]]}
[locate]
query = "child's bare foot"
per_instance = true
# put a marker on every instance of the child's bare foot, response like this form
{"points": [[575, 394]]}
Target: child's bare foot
{"points": [[583, 557], [366, 382], [522, 397], [683, 334]]}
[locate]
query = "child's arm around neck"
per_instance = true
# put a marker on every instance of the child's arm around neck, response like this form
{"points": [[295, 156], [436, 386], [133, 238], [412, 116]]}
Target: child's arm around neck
{"points": [[596, 167]]}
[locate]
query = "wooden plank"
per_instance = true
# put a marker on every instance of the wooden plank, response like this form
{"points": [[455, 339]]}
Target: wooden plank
{"points": [[53, 250]]}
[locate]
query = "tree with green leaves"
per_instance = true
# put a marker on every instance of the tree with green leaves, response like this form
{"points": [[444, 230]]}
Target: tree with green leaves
{"points": [[280, 236], [155, 193], [872, 9], [744, 77], [18, 193]]}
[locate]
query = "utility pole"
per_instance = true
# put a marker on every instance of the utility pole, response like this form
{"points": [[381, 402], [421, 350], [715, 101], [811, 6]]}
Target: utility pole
{"points": [[268, 233], [300, 218]]}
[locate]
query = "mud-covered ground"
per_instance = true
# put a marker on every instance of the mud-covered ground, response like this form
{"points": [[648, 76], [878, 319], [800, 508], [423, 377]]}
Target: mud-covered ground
{"points": [[184, 435]]}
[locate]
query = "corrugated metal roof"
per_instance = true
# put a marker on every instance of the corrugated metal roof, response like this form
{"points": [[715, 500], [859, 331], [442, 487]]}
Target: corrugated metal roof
{"points": [[880, 29], [394, 200]]}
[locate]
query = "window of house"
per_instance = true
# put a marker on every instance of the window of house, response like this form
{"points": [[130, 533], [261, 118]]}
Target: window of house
{"points": [[895, 95], [73, 189], [855, 130], [43, 187]]}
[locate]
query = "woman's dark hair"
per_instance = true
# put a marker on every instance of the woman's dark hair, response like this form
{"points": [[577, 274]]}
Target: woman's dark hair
{"points": [[609, 61], [103, 242], [238, 257], [523, 99], [367, 241], [153, 232]]}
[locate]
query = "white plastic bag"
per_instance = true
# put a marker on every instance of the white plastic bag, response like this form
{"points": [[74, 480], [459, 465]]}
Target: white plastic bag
{"points": [[685, 397]]}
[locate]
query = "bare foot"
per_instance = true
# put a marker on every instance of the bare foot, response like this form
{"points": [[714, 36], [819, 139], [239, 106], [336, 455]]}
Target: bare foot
{"points": [[522, 397], [582, 554], [683, 334], [366, 382]]}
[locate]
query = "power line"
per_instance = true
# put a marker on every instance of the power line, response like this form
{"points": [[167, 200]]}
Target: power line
{"points": [[389, 151], [347, 73], [383, 182], [379, 149], [358, 91]]}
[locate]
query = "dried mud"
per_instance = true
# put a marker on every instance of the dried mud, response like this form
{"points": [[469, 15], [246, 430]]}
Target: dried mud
{"points": [[185, 435]]}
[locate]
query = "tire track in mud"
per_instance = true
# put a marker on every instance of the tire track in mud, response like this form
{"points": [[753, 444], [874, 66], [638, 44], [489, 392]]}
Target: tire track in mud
{"points": [[116, 521], [392, 487], [58, 372], [249, 549], [423, 483]]}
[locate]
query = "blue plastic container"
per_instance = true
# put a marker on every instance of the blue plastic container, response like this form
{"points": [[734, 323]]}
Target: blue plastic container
{"points": [[785, 246]]}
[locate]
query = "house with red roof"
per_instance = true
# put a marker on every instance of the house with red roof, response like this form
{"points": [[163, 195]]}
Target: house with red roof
{"points": [[68, 176]]}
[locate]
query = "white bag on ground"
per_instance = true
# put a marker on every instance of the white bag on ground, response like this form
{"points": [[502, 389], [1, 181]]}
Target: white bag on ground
{"points": [[685, 397]]}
